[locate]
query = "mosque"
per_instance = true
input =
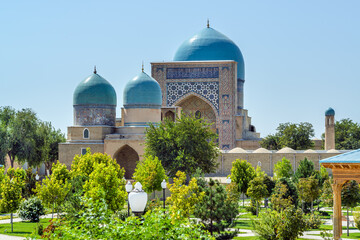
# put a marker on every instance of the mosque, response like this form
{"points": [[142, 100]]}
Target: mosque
{"points": [[206, 78]]}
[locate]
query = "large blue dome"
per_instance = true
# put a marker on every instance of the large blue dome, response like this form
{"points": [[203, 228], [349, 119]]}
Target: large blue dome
{"points": [[142, 92], [210, 44], [94, 90]]}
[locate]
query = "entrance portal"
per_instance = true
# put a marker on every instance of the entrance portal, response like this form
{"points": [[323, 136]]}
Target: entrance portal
{"points": [[127, 158]]}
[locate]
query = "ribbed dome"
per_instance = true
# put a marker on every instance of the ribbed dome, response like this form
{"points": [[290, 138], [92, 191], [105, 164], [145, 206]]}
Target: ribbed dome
{"points": [[142, 92], [210, 44], [94, 90], [330, 112]]}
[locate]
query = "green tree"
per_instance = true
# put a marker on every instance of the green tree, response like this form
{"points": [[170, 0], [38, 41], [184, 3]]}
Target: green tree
{"points": [[283, 169], [216, 210], [183, 145], [350, 197], [309, 190], [327, 193], [281, 193], [347, 134], [293, 135], [150, 173], [47, 140], [183, 197], [109, 186], [287, 224], [10, 195], [257, 190], [305, 170], [18, 128], [52, 191], [242, 173]]}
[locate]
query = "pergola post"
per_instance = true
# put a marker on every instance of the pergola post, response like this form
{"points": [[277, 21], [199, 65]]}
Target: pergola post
{"points": [[337, 218]]}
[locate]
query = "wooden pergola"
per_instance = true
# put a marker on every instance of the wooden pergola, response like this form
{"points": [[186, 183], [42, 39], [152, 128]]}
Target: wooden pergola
{"points": [[345, 167]]}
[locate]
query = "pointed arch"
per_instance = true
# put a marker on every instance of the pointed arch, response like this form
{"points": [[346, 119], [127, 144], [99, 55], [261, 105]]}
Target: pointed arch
{"points": [[127, 158]]}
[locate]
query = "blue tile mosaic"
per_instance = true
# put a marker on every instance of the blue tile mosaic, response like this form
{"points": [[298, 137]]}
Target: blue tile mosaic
{"points": [[209, 90], [186, 73]]}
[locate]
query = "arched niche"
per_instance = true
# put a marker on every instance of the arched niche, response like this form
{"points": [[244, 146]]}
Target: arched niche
{"points": [[198, 107], [127, 158], [170, 115]]}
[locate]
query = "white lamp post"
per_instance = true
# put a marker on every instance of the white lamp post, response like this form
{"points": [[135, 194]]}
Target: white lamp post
{"points": [[128, 188], [163, 185], [138, 199], [228, 180], [37, 177]]}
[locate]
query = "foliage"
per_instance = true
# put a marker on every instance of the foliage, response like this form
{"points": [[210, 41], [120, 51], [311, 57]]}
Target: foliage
{"points": [[39, 229], [287, 224], [313, 220], [324, 175], [183, 197], [257, 190], [17, 130], [47, 140], [95, 221], [305, 169], [293, 135], [347, 134], [31, 209], [150, 173], [350, 194], [107, 186], [232, 191], [242, 173], [216, 210], [357, 219], [183, 145], [270, 185], [85, 164], [283, 169], [281, 199], [10, 198], [308, 189], [52, 191], [29, 184]]}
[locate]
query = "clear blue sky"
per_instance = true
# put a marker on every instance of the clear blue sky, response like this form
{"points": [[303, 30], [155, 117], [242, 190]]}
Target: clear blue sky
{"points": [[300, 56]]}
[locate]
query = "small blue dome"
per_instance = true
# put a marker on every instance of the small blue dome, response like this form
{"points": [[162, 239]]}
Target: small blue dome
{"points": [[210, 44], [330, 112], [142, 92], [94, 90]]}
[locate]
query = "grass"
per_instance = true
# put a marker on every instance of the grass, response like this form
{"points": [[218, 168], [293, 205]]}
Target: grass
{"points": [[22, 229], [344, 236], [243, 224]]}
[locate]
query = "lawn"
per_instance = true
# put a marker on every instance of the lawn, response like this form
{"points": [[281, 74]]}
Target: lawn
{"points": [[22, 229]]}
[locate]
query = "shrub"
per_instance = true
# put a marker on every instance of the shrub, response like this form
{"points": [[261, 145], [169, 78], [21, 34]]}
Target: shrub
{"points": [[39, 229], [286, 224], [251, 207], [31, 209], [313, 220], [357, 219]]}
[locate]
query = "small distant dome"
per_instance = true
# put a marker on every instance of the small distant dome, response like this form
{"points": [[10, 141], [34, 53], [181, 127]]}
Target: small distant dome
{"points": [[333, 151], [94, 90], [237, 150], [330, 112], [310, 151], [261, 150], [142, 91], [286, 150], [210, 44]]}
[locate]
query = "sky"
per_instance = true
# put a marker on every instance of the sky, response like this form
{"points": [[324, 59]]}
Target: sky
{"points": [[301, 56]]}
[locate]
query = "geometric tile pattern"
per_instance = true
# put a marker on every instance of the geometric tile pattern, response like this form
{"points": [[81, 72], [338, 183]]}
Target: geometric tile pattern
{"points": [[209, 90]]}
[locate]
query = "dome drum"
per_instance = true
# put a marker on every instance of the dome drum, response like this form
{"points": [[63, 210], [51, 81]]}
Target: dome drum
{"points": [[90, 115]]}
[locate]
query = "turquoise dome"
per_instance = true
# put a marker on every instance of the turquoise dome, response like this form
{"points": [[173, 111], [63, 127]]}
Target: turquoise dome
{"points": [[142, 92], [94, 90], [330, 112], [210, 44]]}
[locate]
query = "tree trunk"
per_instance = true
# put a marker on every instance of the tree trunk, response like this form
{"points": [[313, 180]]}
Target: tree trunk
{"points": [[302, 206], [11, 160], [312, 205], [347, 221], [12, 227], [243, 200]]}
